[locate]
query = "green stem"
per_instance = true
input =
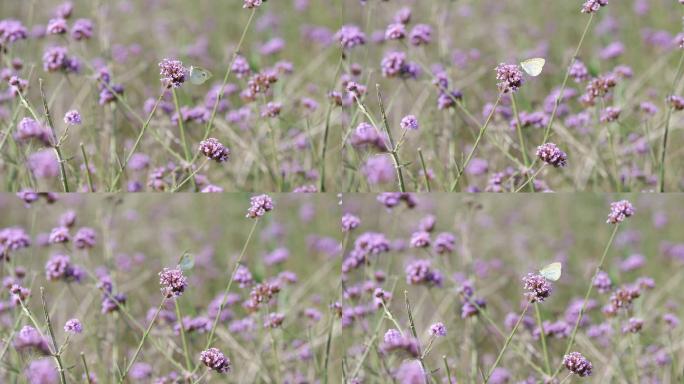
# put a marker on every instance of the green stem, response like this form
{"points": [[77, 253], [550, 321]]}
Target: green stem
{"points": [[182, 332], [210, 339], [425, 172], [483, 129], [56, 146], [663, 150], [89, 176], [545, 351], [586, 298], [556, 104], [508, 341], [394, 150], [142, 341], [85, 369], [137, 141], [219, 96], [57, 353]]}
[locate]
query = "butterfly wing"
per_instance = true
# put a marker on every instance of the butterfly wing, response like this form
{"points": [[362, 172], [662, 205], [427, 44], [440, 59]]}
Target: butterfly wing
{"points": [[534, 66], [199, 76], [552, 271]]}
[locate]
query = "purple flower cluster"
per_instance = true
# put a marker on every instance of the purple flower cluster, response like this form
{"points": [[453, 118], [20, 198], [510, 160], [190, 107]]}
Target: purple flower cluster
{"points": [[214, 150], [73, 326], [552, 155], [259, 205], [619, 211], [421, 272], [350, 222], [577, 364], [510, 77], [395, 341], [173, 282], [215, 360], [173, 73], [591, 6], [537, 286]]}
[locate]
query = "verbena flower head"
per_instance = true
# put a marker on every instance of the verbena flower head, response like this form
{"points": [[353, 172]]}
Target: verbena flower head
{"points": [[444, 243], [510, 77], [259, 205], [173, 73], [11, 31], [619, 211], [591, 6], [73, 326], [82, 29], [409, 122], [350, 36], [72, 118], [577, 364], [552, 155], [420, 239], [57, 27], [249, 4], [537, 286], [173, 282], [395, 341], [421, 272], [421, 34], [214, 150], [438, 330], [634, 325], [350, 222], [215, 360], [59, 235]]}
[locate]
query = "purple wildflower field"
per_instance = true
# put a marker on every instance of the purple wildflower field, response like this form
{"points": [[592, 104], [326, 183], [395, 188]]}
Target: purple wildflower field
{"points": [[336, 151], [137, 289], [341, 95], [444, 288]]}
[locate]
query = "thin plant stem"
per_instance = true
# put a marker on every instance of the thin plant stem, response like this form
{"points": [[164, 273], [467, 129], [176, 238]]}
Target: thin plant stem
{"points": [[586, 298], [508, 341], [57, 353], [142, 341], [412, 325], [425, 173], [224, 83], [328, 344], [137, 141], [542, 337], [557, 102], [518, 125], [182, 332], [191, 176], [56, 146], [210, 339], [181, 127], [446, 367], [663, 149], [394, 150], [89, 176], [480, 134], [326, 132], [529, 180], [85, 368]]}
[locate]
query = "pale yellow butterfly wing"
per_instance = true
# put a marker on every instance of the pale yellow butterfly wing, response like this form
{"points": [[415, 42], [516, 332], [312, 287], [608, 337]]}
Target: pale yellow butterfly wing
{"points": [[533, 67], [199, 76], [552, 271]]}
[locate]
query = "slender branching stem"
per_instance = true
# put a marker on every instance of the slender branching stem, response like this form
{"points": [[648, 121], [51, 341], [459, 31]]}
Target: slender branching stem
{"points": [[571, 341], [506, 342]]}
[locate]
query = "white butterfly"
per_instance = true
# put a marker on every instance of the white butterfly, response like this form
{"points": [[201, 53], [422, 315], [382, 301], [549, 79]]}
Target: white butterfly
{"points": [[552, 271], [534, 66], [199, 76]]}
